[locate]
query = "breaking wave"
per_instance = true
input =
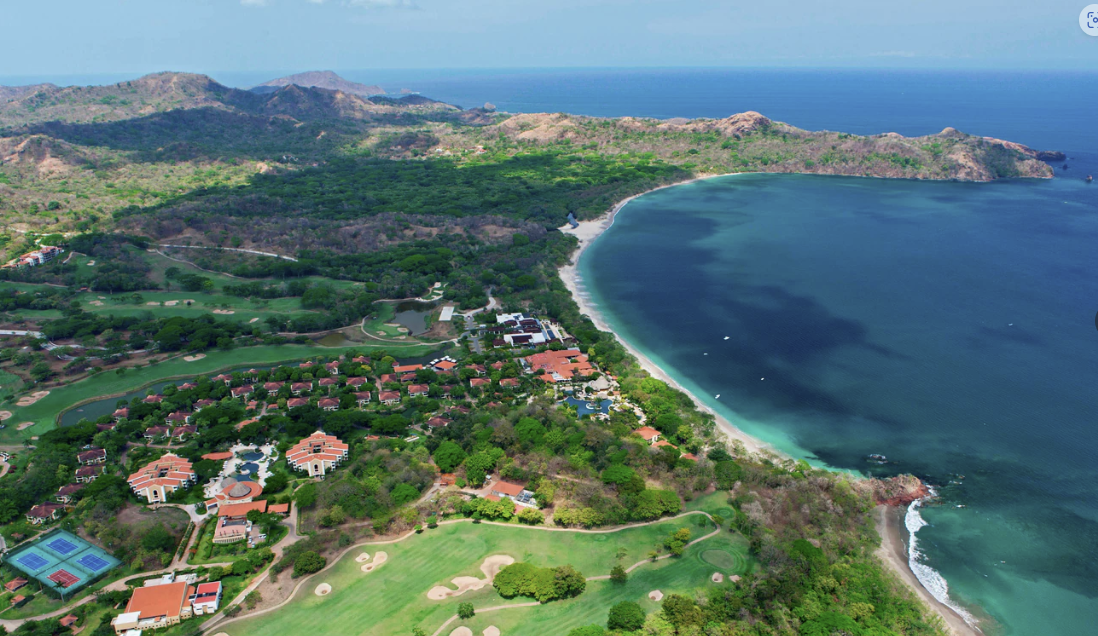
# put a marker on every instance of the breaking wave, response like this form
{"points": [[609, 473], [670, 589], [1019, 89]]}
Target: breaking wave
{"points": [[930, 578]]}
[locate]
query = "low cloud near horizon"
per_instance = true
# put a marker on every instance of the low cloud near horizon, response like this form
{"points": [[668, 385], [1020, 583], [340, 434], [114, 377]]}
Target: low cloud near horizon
{"points": [[349, 3]]}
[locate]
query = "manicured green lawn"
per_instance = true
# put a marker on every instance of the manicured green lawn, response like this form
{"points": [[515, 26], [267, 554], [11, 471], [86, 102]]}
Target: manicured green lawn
{"points": [[393, 598], [45, 412]]}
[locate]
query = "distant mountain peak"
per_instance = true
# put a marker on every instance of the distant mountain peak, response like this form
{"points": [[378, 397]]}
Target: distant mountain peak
{"points": [[320, 79]]}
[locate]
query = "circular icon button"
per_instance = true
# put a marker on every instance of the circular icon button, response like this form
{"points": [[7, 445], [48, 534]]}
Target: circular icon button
{"points": [[1088, 20]]}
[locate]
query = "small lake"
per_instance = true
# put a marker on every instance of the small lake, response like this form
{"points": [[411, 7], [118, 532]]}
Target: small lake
{"points": [[412, 315]]}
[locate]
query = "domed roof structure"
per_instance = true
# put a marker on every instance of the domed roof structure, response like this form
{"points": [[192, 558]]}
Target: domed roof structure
{"points": [[239, 490]]}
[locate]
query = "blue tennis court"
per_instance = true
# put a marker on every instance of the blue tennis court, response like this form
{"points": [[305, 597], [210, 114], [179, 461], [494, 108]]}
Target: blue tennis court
{"points": [[61, 546], [62, 560], [33, 561], [92, 562]]}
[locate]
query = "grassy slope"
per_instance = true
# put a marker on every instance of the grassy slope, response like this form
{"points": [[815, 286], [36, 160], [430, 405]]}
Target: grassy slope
{"points": [[393, 599], [45, 411]]}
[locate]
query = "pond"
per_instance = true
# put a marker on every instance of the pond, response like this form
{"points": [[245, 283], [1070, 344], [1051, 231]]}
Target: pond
{"points": [[582, 408], [252, 456], [412, 315], [93, 410], [250, 468]]}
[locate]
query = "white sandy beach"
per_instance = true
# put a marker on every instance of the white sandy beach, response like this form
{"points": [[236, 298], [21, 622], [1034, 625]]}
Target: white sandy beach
{"points": [[892, 552]]}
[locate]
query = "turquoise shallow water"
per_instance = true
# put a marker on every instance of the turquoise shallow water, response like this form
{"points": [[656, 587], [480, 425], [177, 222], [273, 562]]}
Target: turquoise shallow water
{"points": [[948, 326]]}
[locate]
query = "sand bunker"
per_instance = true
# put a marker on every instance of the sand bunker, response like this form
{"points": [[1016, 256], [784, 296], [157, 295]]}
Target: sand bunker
{"points": [[462, 631], [91, 263], [27, 400], [717, 577], [253, 320], [153, 304], [379, 558], [197, 356], [491, 630], [735, 578], [24, 425], [97, 303], [362, 558], [323, 589], [655, 595], [171, 303], [224, 312], [491, 567], [5, 415]]}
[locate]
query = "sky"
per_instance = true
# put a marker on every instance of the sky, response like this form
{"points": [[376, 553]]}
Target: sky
{"points": [[133, 37]]}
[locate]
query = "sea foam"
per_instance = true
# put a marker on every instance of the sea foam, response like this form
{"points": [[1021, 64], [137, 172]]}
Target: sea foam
{"points": [[930, 578]]}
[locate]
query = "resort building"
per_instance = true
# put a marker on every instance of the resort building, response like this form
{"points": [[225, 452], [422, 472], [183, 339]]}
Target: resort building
{"points": [[297, 388], [162, 477], [120, 414], [40, 256], [362, 398], [206, 598], [66, 493], [317, 454], [44, 513], [390, 398], [407, 368], [241, 391], [91, 456], [88, 474], [418, 390], [154, 607], [649, 434], [328, 404], [293, 403], [234, 493], [558, 366], [357, 382]]}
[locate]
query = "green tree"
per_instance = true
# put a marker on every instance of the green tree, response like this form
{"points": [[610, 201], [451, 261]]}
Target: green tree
{"points": [[618, 574], [627, 616], [448, 456], [465, 610]]}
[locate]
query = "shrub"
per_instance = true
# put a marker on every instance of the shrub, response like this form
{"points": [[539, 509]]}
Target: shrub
{"points": [[543, 584], [308, 562], [465, 610], [627, 616]]}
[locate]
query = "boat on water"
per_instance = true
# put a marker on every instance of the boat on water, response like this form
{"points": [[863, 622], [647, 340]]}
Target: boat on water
{"points": [[1089, 178]]}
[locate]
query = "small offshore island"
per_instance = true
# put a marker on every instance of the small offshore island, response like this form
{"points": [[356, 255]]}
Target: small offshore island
{"points": [[212, 273]]}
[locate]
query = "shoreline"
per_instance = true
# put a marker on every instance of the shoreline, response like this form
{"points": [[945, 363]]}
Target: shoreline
{"points": [[892, 553], [587, 232]]}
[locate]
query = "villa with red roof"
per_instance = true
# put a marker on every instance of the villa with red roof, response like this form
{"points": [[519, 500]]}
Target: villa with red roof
{"points": [[417, 390], [161, 477], [390, 397], [206, 598], [317, 454], [649, 434], [92, 456], [328, 404], [293, 403], [357, 382], [241, 391], [363, 398]]}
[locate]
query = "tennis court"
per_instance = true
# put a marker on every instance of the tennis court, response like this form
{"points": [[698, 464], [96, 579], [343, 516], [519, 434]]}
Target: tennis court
{"points": [[62, 561]]}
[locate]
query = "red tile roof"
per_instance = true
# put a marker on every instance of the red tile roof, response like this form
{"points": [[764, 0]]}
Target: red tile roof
{"points": [[218, 457], [159, 600], [507, 488], [407, 367], [647, 432], [241, 509]]}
